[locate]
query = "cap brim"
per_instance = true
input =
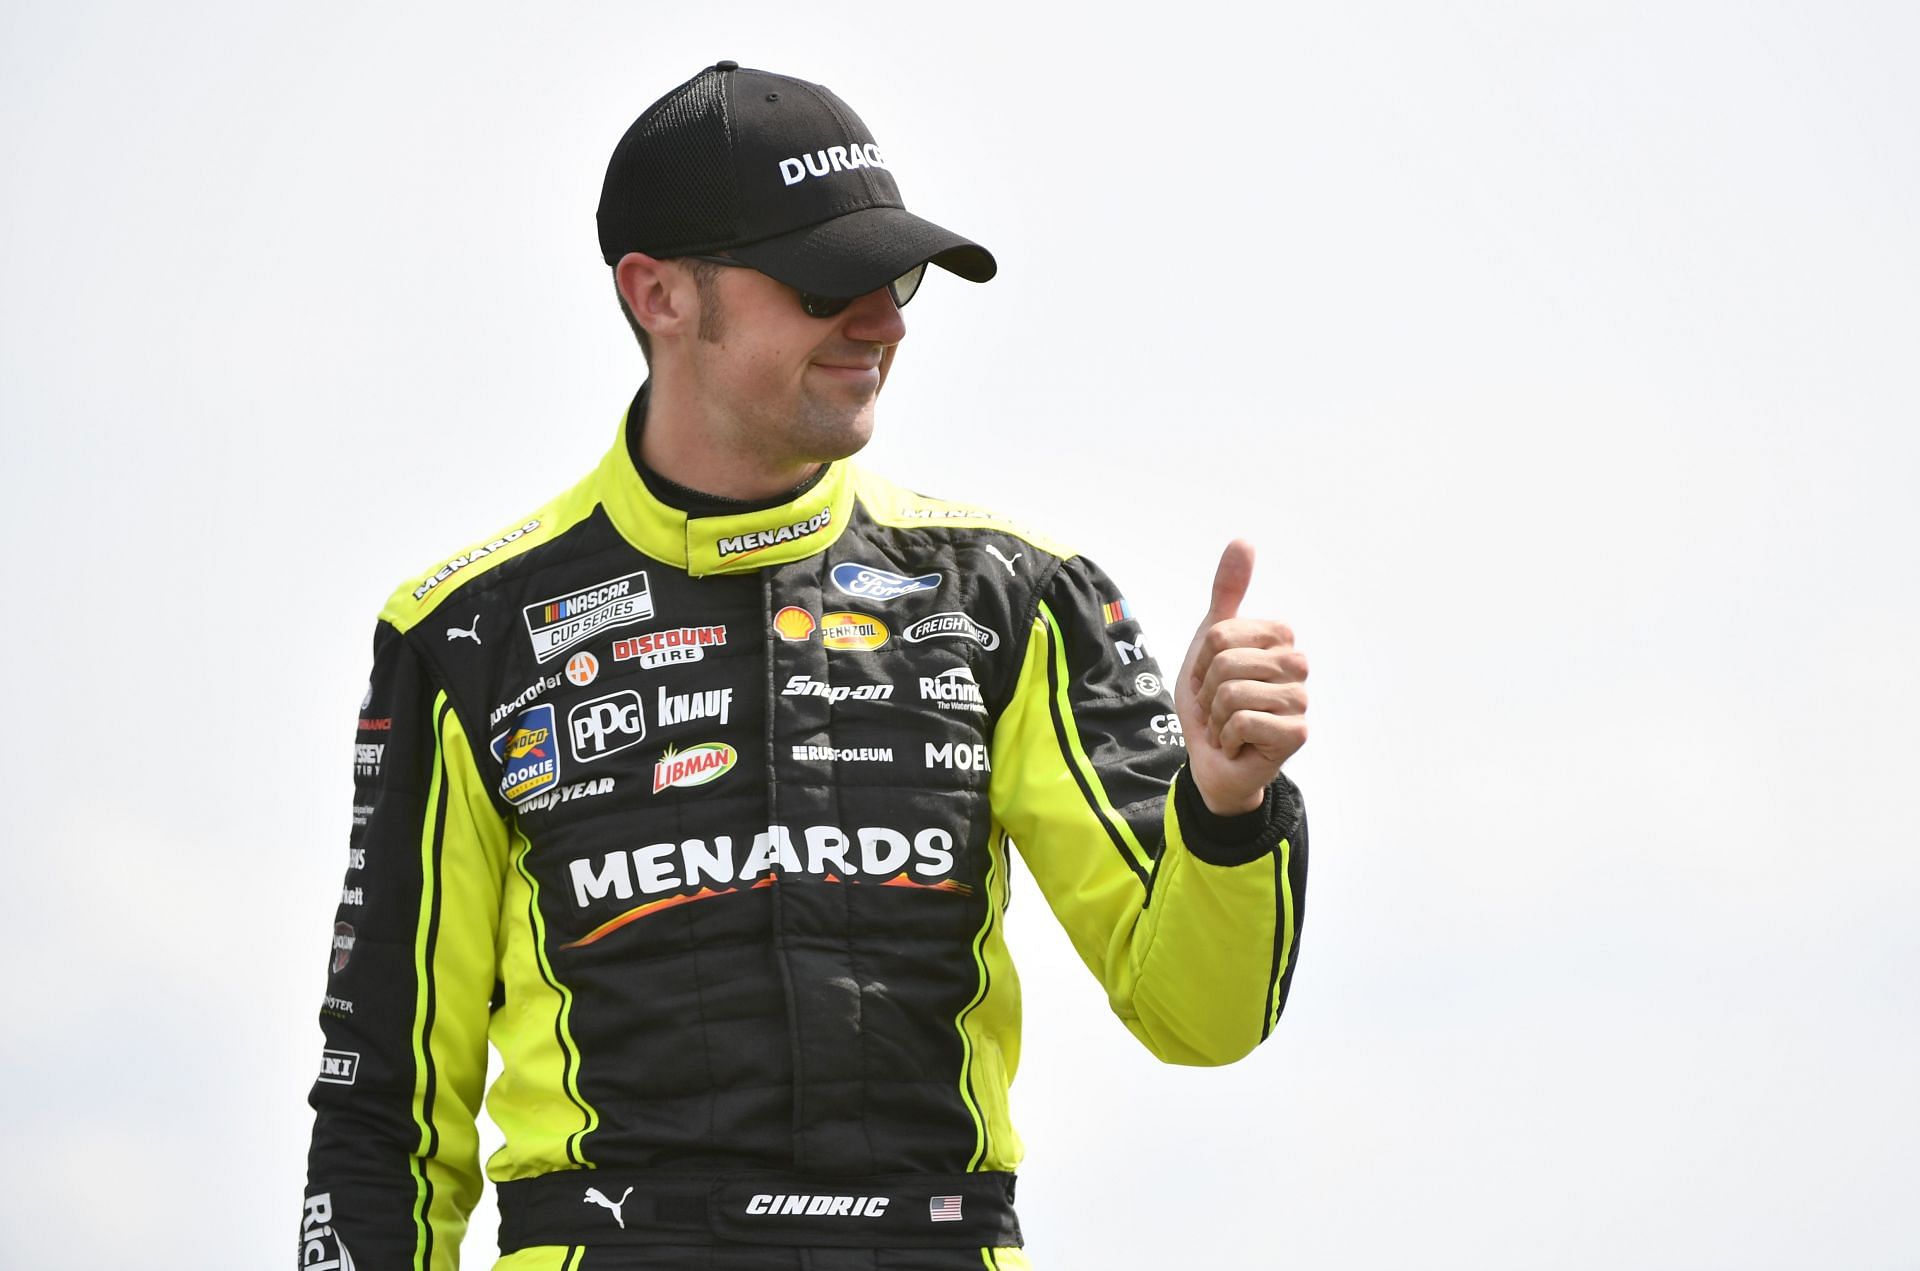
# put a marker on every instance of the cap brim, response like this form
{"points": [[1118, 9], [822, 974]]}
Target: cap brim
{"points": [[863, 251]]}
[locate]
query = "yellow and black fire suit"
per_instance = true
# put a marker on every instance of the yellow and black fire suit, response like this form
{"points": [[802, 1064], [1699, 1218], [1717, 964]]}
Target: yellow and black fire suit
{"points": [[704, 823]]}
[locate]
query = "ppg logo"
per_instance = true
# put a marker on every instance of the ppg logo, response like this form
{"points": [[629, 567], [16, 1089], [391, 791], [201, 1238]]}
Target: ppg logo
{"points": [[606, 725]]}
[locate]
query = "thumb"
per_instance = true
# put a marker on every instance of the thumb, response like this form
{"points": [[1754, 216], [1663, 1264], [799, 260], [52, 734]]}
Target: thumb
{"points": [[1230, 581]]}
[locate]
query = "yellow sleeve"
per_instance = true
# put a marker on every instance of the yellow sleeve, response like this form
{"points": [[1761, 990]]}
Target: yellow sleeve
{"points": [[1189, 920], [393, 1169]]}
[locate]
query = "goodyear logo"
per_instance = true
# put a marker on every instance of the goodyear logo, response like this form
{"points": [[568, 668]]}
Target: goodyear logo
{"points": [[529, 759]]}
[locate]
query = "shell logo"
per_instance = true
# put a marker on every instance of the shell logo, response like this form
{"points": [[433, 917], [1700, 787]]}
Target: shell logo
{"points": [[582, 667], [843, 630], [793, 623]]}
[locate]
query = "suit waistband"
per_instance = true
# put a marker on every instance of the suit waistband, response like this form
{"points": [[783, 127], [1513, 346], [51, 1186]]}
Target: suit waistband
{"points": [[640, 1207]]}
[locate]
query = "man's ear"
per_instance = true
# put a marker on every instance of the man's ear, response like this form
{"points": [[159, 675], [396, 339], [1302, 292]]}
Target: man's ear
{"points": [[660, 297]]}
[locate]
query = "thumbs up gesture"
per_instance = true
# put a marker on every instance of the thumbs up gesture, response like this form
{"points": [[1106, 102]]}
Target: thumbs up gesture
{"points": [[1241, 695]]}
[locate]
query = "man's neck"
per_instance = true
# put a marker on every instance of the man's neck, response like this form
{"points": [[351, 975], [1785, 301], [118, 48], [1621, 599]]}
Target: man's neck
{"points": [[679, 443]]}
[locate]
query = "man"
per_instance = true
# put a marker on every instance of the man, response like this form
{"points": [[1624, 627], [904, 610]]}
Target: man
{"points": [[694, 790]]}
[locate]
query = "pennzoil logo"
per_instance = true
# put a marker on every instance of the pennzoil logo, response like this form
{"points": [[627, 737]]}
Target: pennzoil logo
{"points": [[529, 755], [759, 540], [843, 630], [560, 622], [693, 766]]}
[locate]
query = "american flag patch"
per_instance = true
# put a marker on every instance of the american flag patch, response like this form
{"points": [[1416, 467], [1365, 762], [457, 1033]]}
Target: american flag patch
{"points": [[944, 1208]]}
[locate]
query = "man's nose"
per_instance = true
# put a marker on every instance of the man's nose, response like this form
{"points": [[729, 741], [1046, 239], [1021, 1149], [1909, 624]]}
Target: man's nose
{"points": [[875, 319]]}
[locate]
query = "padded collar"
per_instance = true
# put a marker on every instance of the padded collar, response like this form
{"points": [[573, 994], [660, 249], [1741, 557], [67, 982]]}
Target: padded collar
{"points": [[731, 544]]}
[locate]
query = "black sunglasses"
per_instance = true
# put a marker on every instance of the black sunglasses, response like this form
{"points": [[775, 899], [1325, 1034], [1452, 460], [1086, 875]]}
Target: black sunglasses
{"points": [[901, 288]]}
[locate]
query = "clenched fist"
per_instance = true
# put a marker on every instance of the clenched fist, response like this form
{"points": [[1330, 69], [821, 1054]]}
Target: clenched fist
{"points": [[1242, 694]]}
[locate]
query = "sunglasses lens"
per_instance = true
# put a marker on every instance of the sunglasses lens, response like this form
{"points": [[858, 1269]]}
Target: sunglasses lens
{"points": [[901, 289], [823, 306], [906, 284]]}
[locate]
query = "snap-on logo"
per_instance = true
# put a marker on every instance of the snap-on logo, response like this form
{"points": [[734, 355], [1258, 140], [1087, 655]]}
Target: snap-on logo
{"points": [[819, 1206], [832, 159]]}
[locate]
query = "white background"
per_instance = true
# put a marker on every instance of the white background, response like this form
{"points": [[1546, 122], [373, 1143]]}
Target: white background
{"points": [[1560, 358]]}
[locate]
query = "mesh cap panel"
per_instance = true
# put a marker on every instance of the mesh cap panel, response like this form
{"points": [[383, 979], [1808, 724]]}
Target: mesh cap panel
{"points": [[670, 186]]}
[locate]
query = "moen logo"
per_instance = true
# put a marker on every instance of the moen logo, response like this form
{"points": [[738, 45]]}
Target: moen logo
{"points": [[959, 755], [819, 1206], [759, 540], [320, 1248], [337, 1067], [842, 630], [694, 766], [559, 622], [606, 725], [871, 583]]}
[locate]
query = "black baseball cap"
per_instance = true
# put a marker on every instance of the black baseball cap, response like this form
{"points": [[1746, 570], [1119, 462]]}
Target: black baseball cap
{"points": [[777, 173]]}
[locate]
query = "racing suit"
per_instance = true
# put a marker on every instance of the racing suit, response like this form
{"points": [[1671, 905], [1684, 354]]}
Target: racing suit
{"points": [[704, 823]]}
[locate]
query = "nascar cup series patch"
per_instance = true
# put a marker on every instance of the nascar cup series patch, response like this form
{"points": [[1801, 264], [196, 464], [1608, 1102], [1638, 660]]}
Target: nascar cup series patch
{"points": [[529, 755], [560, 622]]}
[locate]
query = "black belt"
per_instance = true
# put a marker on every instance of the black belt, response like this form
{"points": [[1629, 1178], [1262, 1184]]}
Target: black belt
{"points": [[643, 1207]]}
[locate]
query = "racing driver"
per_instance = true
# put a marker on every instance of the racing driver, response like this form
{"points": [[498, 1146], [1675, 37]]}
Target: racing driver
{"points": [[694, 791]]}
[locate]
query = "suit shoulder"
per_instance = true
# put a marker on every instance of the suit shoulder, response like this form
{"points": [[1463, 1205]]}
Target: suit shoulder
{"points": [[890, 504], [423, 593]]}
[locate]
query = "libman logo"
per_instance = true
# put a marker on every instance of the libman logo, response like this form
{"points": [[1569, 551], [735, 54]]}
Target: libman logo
{"points": [[662, 875], [843, 630], [320, 1248], [560, 622], [693, 766], [739, 545], [528, 754]]}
